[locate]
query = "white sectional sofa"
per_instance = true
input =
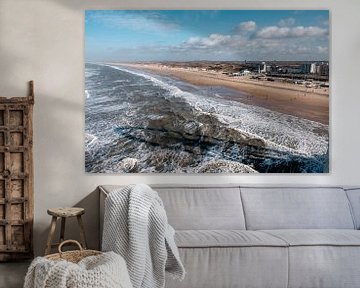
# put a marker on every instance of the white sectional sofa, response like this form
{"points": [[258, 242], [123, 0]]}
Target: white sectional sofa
{"points": [[264, 237]]}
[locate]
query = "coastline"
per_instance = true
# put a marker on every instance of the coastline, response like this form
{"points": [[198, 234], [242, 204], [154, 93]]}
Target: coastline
{"points": [[311, 104], [136, 124]]}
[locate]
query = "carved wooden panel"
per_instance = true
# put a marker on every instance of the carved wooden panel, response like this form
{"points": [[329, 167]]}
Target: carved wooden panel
{"points": [[16, 177]]}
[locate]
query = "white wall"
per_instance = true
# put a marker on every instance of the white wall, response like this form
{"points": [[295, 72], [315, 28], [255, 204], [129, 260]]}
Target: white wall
{"points": [[43, 40]]}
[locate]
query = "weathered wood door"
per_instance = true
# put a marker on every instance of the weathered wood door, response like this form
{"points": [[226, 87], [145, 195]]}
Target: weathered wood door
{"points": [[16, 177]]}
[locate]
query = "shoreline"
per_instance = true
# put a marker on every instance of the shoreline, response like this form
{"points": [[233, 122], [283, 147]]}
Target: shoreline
{"points": [[280, 97]]}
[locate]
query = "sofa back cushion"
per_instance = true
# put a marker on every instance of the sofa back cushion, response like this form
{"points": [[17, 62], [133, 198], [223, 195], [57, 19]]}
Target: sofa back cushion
{"points": [[203, 208], [354, 198], [296, 208]]}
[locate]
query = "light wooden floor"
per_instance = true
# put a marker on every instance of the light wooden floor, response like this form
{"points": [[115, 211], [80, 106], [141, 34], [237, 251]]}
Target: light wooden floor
{"points": [[12, 274]]}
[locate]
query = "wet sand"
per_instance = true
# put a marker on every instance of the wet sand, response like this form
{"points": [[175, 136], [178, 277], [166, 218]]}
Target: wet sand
{"points": [[307, 103]]}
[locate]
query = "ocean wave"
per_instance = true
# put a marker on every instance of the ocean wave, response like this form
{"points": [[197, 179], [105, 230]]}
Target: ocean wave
{"points": [[280, 131], [175, 91], [137, 122]]}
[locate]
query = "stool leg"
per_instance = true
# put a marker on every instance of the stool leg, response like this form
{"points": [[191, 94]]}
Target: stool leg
{"points": [[62, 231], [51, 235], [82, 232]]}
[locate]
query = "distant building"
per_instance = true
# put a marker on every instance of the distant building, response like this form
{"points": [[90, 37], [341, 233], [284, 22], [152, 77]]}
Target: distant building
{"points": [[324, 69], [242, 73], [263, 67], [321, 69], [294, 70], [306, 68], [268, 69], [281, 70], [313, 68], [245, 72]]}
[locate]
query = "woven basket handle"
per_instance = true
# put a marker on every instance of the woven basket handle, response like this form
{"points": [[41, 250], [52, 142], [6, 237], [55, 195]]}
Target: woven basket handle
{"points": [[69, 241]]}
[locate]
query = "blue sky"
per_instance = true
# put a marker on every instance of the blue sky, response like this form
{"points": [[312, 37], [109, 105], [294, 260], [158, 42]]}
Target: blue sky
{"points": [[185, 35]]}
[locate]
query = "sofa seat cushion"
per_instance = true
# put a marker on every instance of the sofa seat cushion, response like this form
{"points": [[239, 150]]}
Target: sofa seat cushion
{"points": [[317, 237], [233, 267], [225, 238]]}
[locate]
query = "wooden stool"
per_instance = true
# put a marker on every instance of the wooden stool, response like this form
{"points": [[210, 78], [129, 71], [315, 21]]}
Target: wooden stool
{"points": [[64, 213]]}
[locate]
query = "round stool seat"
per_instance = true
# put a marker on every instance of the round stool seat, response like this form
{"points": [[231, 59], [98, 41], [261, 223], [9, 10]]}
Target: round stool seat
{"points": [[66, 211]]}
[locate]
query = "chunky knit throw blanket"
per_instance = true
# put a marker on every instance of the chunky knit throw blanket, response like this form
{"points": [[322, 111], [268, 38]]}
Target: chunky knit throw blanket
{"points": [[103, 271], [136, 227]]}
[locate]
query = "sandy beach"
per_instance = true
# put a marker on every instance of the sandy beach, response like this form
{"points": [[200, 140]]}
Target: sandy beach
{"points": [[307, 103]]}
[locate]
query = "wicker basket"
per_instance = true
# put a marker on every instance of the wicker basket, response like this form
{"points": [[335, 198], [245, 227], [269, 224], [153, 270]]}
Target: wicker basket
{"points": [[72, 256]]}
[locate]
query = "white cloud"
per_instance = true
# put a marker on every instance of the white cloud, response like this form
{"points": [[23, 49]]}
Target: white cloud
{"points": [[244, 46], [325, 23], [301, 31], [246, 41], [285, 32], [230, 47], [207, 42], [247, 26], [322, 50], [302, 50], [135, 21], [287, 22], [273, 32]]}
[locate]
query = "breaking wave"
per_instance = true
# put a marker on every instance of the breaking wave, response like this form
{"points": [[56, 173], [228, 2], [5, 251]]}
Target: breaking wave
{"points": [[165, 125]]}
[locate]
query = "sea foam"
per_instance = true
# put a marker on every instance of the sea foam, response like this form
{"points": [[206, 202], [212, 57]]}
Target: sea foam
{"points": [[281, 131]]}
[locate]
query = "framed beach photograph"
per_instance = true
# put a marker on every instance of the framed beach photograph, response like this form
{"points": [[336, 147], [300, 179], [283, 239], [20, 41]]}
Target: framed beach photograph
{"points": [[197, 91]]}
